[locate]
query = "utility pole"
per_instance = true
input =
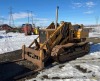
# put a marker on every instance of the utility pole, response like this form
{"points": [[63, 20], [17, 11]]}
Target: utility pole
{"points": [[11, 21], [97, 19], [28, 15], [32, 17], [56, 17]]}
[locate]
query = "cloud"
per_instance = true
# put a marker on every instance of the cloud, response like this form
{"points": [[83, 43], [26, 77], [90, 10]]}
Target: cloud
{"points": [[41, 21], [90, 4], [77, 5], [88, 12], [21, 15], [2, 19]]}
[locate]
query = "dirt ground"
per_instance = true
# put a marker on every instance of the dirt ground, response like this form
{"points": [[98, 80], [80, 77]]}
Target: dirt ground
{"points": [[9, 70], [9, 56]]}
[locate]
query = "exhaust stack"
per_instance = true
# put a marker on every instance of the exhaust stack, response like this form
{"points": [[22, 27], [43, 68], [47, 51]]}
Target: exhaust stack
{"points": [[56, 17]]}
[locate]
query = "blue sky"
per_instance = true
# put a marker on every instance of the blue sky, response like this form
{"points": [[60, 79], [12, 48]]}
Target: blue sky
{"points": [[75, 11]]}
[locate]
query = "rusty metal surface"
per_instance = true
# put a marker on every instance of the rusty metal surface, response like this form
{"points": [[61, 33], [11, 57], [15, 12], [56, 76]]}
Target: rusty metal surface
{"points": [[58, 49], [60, 52]]}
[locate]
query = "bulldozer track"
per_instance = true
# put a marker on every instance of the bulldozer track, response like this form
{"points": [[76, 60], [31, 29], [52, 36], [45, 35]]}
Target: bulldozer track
{"points": [[63, 53]]}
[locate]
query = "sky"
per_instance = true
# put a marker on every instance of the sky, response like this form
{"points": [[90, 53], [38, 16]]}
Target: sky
{"points": [[43, 11]]}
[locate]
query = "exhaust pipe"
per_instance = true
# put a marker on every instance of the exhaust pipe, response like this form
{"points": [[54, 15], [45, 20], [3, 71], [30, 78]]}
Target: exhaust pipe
{"points": [[56, 17]]}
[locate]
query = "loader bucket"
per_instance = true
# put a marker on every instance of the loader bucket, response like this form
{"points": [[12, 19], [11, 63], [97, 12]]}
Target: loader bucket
{"points": [[35, 56]]}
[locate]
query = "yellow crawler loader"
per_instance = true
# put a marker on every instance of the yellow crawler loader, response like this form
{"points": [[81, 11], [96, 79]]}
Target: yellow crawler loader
{"points": [[60, 44]]}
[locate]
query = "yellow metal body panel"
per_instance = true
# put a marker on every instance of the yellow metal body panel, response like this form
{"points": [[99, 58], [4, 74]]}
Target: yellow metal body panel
{"points": [[81, 33], [78, 34], [36, 31]]}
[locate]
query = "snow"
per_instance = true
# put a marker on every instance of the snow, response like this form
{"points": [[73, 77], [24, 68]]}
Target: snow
{"points": [[94, 34], [14, 41]]}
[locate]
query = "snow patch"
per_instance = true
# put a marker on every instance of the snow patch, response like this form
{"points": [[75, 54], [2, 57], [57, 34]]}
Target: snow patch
{"points": [[14, 41]]}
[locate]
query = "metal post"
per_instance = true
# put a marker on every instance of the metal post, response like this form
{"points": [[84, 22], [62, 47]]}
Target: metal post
{"points": [[97, 27], [32, 17], [28, 15], [56, 17]]}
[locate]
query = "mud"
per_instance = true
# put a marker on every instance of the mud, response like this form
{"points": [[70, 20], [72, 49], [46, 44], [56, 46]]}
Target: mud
{"points": [[81, 69]]}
